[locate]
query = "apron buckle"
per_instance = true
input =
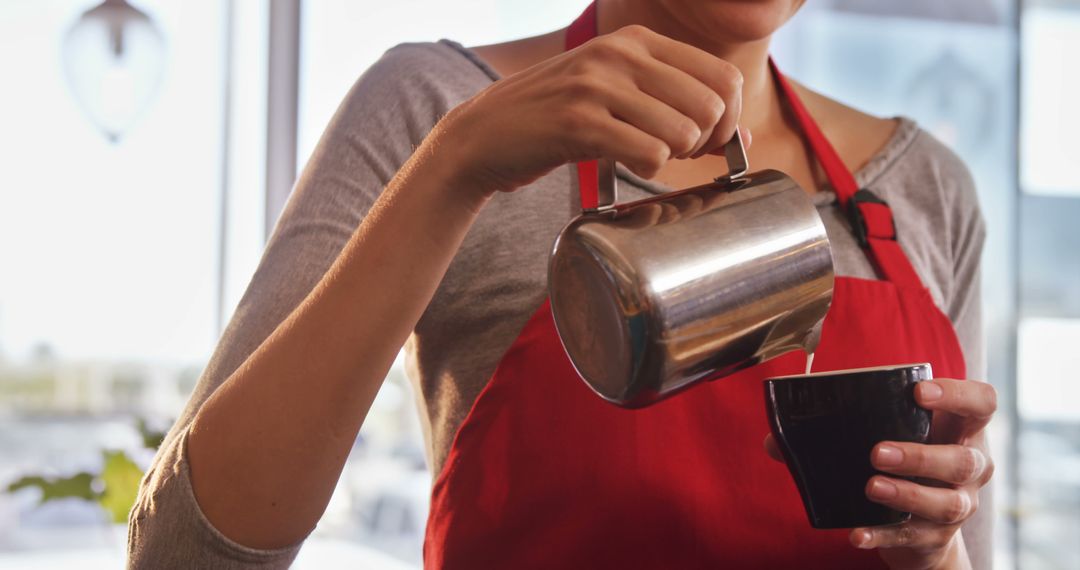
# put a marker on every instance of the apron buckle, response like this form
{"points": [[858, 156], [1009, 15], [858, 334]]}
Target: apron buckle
{"points": [[870, 216]]}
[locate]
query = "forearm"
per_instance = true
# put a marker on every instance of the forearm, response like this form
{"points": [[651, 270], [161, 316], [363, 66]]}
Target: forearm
{"points": [[267, 448]]}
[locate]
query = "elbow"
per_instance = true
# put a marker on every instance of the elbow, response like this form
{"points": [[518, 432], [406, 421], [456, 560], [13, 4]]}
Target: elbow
{"points": [[148, 542], [167, 529]]}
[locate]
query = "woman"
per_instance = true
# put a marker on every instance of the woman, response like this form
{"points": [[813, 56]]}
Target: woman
{"points": [[459, 163]]}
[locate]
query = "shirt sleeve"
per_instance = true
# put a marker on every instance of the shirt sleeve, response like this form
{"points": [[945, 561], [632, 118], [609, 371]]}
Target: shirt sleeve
{"points": [[389, 110], [964, 308]]}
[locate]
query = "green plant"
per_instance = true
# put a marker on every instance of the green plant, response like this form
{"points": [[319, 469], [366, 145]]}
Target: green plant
{"points": [[114, 488]]}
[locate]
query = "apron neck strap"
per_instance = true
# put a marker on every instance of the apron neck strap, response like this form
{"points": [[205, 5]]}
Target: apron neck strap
{"points": [[840, 178], [870, 217], [582, 29]]}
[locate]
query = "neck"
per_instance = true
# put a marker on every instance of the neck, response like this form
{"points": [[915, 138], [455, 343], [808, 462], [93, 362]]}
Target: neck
{"points": [[761, 111]]}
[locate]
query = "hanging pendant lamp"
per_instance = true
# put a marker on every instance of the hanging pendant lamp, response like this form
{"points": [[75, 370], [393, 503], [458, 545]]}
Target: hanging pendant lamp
{"points": [[114, 59]]}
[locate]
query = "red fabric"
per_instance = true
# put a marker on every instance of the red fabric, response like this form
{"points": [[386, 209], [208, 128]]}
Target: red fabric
{"points": [[588, 181], [879, 221], [545, 474], [887, 255], [885, 249], [582, 29], [893, 263]]}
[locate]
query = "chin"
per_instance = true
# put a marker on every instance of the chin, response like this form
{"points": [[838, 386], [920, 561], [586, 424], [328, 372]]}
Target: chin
{"points": [[731, 21]]}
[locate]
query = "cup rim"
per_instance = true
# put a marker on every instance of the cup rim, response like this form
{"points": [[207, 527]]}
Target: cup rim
{"points": [[848, 372]]}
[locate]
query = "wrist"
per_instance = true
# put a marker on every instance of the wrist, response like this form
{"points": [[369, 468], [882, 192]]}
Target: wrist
{"points": [[956, 557], [452, 153], [444, 168]]}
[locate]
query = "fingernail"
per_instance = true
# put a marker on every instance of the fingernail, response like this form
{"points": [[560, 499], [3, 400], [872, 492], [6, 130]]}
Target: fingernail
{"points": [[883, 489], [930, 391], [748, 137], [889, 456], [861, 539]]}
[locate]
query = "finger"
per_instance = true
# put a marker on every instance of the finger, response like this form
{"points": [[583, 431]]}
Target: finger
{"points": [[912, 534], [975, 401], [955, 464], [940, 505], [610, 137], [680, 132], [722, 77], [772, 449], [725, 129], [684, 93]]}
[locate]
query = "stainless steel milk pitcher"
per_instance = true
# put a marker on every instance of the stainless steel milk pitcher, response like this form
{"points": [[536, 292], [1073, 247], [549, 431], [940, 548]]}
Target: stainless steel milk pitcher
{"points": [[652, 296]]}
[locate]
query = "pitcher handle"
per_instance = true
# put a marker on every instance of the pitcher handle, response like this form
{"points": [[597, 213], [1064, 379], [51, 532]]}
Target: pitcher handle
{"points": [[607, 186]]}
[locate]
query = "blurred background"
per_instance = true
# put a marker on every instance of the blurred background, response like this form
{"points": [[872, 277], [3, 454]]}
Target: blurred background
{"points": [[146, 149]]}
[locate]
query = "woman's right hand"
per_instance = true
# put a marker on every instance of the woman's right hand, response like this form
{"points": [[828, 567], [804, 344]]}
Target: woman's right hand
{"points": [[634, 96]]}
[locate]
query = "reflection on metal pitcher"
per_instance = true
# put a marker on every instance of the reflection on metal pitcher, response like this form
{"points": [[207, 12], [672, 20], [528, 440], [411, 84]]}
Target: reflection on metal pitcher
{"points": [[651, 296]]}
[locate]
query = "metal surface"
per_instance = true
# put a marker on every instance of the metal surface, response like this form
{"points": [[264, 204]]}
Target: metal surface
{"points": [[607, 190], [651, 296], [735, 155]]}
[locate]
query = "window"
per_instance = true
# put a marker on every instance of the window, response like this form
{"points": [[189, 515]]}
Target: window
{"points": [[108, 268], [1048, 504]]}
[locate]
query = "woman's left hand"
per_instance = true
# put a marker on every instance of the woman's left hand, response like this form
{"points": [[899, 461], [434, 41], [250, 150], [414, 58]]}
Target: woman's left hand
{"points": [[950, 470]]}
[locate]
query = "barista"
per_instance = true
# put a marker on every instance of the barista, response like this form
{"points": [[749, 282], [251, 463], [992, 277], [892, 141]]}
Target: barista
{"points": [[424, 218]]}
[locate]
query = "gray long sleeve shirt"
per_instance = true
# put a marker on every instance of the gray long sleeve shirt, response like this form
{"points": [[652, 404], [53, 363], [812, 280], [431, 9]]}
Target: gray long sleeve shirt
{"points": [[458, 341]]}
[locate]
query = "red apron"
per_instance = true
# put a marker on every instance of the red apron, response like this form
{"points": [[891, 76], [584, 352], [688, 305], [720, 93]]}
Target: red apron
{"points": [[545, 474]]}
